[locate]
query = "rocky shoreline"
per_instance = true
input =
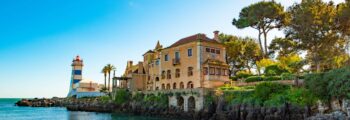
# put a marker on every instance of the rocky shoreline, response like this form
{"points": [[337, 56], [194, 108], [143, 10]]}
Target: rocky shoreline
{"points": [[210, 112]]}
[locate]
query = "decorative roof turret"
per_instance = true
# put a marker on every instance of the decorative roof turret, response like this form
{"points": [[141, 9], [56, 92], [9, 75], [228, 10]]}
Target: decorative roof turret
{"points": [[158, 46]]}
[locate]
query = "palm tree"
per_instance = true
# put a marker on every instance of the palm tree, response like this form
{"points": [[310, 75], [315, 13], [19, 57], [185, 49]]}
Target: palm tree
{"points": [[105, 72], [109, 68]]}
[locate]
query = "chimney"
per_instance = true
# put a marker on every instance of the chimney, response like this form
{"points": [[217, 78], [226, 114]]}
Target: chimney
{"points": [[216, 36], [129, 63], [140, 66]]}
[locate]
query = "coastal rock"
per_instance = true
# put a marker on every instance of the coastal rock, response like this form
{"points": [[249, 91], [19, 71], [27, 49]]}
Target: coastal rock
{"points": [[337, 115]]}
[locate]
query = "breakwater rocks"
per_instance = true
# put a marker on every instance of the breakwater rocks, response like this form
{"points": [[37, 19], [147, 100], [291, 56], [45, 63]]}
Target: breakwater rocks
{"points": [[91, 106], [84, 104], [54, 102]]}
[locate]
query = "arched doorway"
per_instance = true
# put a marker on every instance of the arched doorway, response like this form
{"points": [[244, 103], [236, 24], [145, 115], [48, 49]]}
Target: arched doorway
{"points": [[174, 86], [191, 104], [182, 86], [180, 102], [190, 84]]}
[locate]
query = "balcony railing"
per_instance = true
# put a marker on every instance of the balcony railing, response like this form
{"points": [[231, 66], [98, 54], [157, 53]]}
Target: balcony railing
{"points": [[176, 61]]}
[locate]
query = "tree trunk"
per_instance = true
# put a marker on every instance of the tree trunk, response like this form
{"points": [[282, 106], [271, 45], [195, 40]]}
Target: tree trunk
{"points": [[105, 80], [260, 43], [316, 60], [265, 43], [249, 69], [258, 69], [113, 82], [109, 79]]}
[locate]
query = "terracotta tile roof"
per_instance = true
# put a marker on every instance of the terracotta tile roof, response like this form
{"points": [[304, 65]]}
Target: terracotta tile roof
{"points": [[149, 51], [193, 38]]}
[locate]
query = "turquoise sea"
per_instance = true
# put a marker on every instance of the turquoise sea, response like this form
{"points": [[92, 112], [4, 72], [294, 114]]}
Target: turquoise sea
{"points": [[8, 111]]}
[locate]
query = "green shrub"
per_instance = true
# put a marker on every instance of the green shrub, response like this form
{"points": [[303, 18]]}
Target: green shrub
{"points": [[248, 87], [150, 98], [162, 100], [241, 75], [254, 79], [301, 96], [251, 100], [234, 78], [339, 82], [105, 99], [317, 85], [209, 98], [272, 78], [276, 100], [242, 97], [138, 96], [122, 96], [266, 89], [301, 77], [273, 70], [287, 76]]}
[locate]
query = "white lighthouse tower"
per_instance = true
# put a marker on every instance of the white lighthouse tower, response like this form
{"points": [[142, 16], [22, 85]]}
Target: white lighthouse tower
{"points": [[77, 68]]}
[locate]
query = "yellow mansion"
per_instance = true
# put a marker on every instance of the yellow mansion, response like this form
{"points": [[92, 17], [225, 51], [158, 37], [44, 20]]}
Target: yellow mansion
{"points": [[192, 62]]}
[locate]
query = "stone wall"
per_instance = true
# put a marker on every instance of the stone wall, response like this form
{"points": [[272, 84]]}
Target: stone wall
{"points": [[197, 93]]}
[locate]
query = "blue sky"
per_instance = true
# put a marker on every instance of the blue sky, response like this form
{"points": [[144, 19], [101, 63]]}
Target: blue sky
{"points": [[39, 38]]}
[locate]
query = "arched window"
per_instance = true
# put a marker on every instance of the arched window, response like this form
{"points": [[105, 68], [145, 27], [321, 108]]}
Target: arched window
{"points": [[157, 79], [182, 86], [174, 86], [190, 84], [168, 86], [163, 87]]}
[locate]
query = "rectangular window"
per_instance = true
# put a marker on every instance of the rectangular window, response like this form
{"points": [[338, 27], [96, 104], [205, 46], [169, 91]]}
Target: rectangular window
{"points": [[212, 71], [166, 57], [157, 62], [205, 71], [190, 71], [169, 74], [189, 52], [177, 73], [217, 51], [163, 74], [223, 72], [218, 71], [207, 49], [177, 55], [77, 72], [212, 50]]}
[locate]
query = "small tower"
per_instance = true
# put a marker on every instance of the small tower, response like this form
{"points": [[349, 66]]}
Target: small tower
{"points": [[77, 68]]}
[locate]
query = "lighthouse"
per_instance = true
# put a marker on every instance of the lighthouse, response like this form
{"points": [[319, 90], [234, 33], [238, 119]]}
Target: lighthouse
{"points": [[76, 77]]}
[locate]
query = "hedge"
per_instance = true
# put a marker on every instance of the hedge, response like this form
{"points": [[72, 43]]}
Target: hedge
{"points": [[272, 78], [254, 79]]}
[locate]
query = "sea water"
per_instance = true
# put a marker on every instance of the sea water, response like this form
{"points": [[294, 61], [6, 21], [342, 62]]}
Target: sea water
{"points": [[8, 111]]}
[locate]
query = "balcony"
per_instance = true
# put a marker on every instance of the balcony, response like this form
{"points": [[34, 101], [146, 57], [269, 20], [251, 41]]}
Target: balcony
{"points": [[176, 61], [216, 78]]}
